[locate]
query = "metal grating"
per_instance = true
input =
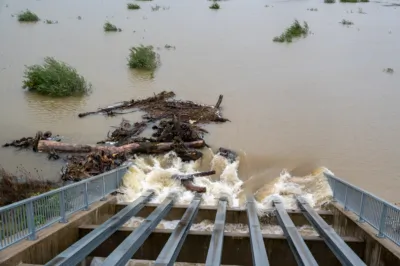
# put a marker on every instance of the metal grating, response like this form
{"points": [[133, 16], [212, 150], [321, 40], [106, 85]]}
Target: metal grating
{"points": [[170, 251]]}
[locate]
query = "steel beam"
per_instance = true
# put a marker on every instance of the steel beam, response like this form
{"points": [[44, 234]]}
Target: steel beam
{"points": [[259, 254], [336, 244], [82, 248], [174, 244], [125, 251], [217, 239], [299, 248]]}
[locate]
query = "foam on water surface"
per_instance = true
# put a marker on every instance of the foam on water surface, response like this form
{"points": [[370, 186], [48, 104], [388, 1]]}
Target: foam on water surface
{"points": [[208, 226], [150, 172]]}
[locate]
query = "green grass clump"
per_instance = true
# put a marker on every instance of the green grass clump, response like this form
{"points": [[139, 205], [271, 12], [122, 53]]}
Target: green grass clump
{"points": [[364, 1], [214, 6], [55, 78], [142, 57], [110, 27], [133, 6], [28, 16], [294, 31], [349, 1], [144, 0], [329, 1], [346, 22]]}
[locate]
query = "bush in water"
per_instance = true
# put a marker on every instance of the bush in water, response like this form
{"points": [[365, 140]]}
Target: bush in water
{"points": [[142, 57], [27, 16], [110, 27], [214, 6], [133, 6], [56, 79], [294, 31]]}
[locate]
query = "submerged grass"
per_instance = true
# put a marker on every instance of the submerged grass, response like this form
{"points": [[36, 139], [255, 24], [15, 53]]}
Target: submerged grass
{"points": [[346, 22], [28, 16], [142, 57], [110, 27], [389, 70], [354, 1], [55, 78], [294, 31], [155, 8], [214, 6], [20, 186], [133, 6]]}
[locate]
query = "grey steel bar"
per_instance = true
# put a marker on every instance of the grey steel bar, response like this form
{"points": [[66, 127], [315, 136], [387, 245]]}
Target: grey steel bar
{"points": [[125, 251], [258, 251], [343, 252], [82, 248], [299, 248], [217, 238], [171, 250]]}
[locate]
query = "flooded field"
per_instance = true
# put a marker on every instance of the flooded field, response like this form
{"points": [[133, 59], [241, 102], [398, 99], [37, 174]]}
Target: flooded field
{"points": [[323, 99]]}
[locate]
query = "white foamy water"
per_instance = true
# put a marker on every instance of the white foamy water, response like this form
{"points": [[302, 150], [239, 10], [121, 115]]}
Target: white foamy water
{"points": [[208, 225], [155, 173]]}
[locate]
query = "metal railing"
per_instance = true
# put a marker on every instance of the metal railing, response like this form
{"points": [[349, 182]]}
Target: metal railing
{"points": [[380, 214], [23, 219]]}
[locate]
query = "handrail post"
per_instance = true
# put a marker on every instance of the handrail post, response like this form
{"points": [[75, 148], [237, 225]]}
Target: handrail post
{"points": [[30, 216], [62, 207], [86, 197], [117, 178], [334, 190], [345, 200], [382, 222], [103, 193], [360, 216]]}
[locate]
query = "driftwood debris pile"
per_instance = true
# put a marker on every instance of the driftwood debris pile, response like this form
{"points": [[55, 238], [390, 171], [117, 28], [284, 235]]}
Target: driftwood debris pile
{"points": [[175, 124], [163, 105]]}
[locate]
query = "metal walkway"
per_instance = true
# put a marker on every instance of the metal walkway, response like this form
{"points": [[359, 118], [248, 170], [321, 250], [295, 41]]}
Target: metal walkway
{"points": [[170, 252]]}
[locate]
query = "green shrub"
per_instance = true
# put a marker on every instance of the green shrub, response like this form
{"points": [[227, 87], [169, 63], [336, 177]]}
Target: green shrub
{"points": [[364, 1], [133, 6], [27, 16], [214, 6], [55, 78], [142, 57], [346, 22], [294, 31], [110, 27], [329, 1]]}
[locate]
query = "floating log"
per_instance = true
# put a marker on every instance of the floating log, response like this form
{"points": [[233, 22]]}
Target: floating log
{"points": [[140, 147]]}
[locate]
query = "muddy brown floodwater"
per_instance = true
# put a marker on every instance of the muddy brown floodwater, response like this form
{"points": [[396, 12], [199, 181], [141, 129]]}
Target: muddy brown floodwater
{"points": [[322, 99]]}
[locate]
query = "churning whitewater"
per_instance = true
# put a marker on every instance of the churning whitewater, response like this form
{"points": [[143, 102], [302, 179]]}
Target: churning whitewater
{"points": [[155, 173]]}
